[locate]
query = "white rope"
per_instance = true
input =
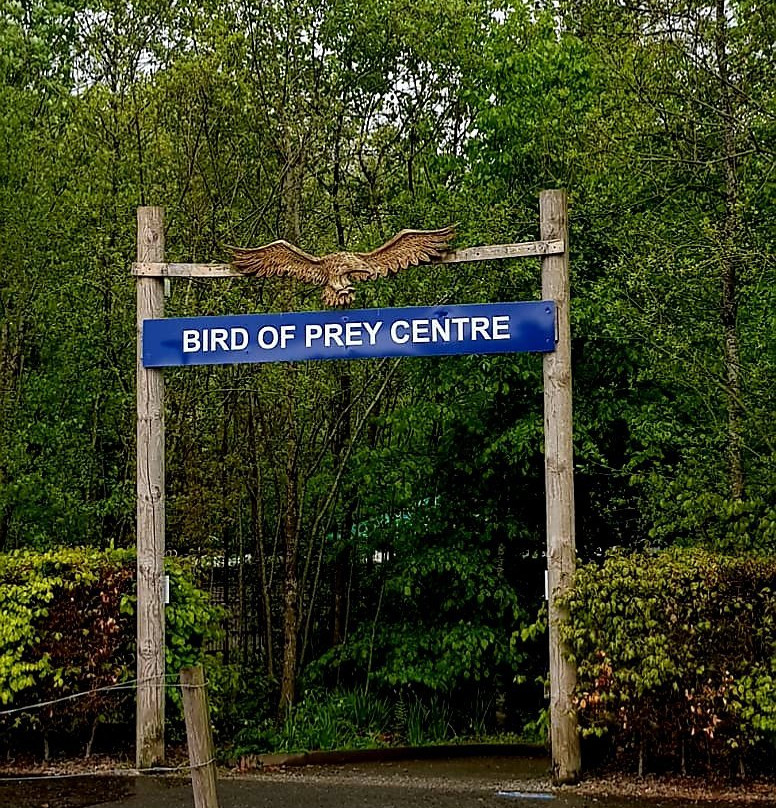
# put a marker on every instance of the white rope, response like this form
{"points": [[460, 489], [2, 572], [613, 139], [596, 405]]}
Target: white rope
{"points": [[29, 777], [130, 684], [110, 772]]}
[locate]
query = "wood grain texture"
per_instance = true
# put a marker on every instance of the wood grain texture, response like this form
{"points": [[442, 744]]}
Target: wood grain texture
{"points": [[488, 252], [493, 252], [559, 482], [149, 750], [199, 736]]}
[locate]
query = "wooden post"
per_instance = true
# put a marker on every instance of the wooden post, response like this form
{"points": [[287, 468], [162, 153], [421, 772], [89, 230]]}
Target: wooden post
{"points": [[149, 749], [559, 482], [200, 738]]}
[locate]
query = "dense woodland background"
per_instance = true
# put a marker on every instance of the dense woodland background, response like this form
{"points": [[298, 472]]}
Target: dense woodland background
{"points": [[378, 524]]}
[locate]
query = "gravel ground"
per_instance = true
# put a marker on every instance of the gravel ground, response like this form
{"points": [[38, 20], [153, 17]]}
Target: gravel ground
{"points": [[494, 782]]}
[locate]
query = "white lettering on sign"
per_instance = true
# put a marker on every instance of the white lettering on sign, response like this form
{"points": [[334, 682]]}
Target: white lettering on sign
{"points": [[355, 333], [239, 339], [341, 335], [287, 333], [268, 337], [218, 339], [459, 323], [332, 334], [191, 341], [501, 327], [488, 328], [420, 331], [213, 339], [372, 330], [271, 336], [312, 332], [451, 329], [404, 327]]}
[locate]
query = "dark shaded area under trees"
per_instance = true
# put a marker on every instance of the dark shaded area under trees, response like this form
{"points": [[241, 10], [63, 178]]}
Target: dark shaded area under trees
{"points": [[379, 526]]}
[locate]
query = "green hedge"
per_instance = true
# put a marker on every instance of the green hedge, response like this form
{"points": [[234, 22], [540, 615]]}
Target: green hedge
{"points": [[676, 654], [68, 627]]}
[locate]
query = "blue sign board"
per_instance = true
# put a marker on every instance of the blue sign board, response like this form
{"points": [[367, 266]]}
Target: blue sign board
{"points": [[488, 328]]}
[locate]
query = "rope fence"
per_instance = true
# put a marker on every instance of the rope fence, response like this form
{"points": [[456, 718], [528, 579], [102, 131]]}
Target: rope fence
{"points": [[116, 772], [170, 680], [130, 684]]}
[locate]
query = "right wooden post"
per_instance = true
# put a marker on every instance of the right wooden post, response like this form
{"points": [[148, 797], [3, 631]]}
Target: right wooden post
{"points": [[559, 483]]}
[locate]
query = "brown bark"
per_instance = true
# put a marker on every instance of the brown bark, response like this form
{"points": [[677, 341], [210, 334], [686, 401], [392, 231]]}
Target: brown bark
{"points": [[337, 183], [291, 579], [731, 235], [342, 560], [340, 587], [11, 364], [291, 194], [225, 526], [559, 487], [257, 517]]}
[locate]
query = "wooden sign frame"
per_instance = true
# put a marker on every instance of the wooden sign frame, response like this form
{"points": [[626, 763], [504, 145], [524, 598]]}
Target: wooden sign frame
{"points": [[150, 270]]}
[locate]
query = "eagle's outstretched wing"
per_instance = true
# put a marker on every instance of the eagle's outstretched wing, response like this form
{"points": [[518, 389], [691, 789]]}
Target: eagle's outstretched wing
{"points": [[407, 248], [278, 258]]}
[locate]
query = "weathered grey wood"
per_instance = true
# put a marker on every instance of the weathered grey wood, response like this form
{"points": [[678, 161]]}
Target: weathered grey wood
{"points": [[490, 252], [150, 506], [158, 269], [559, 481], [199, 735]]}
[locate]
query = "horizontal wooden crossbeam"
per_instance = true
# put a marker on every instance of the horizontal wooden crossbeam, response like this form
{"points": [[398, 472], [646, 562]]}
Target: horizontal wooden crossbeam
{"points": [[488, 252]]}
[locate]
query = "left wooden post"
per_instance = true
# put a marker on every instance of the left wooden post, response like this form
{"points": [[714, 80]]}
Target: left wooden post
{"points": [[149, 749]]}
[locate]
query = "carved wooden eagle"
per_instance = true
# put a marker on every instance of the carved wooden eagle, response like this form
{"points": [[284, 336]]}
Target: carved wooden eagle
{"points": [[337, 272]]}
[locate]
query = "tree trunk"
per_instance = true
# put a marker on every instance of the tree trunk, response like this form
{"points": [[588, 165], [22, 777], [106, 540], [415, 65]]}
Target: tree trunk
{"points": [[337, 183], [225, 531], [291, 583], [342, 560], [291, 194], [291, 202], [731, 237], [257, 516], [11, 364], [340, 593]]}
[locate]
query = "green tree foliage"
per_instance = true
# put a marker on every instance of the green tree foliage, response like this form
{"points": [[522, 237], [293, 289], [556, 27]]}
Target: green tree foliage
{"points": [[683, 148], [334, 127], [68, 637], [675, 652]]}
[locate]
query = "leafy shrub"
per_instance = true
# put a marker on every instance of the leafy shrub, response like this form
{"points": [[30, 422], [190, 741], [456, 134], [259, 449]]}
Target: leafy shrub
{"points": [[676, 654], [345, 720], [63, 633], [68, 627], [439, 624], [350, 720]]}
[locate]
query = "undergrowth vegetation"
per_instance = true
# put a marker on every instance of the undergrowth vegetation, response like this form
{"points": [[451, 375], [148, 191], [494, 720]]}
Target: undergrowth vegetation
{"points": [[353, 719], [68, 629], [676, 653], [376, 528]]}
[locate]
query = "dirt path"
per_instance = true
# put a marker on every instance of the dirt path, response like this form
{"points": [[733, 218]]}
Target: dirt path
{"points": [[506, 782]]}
